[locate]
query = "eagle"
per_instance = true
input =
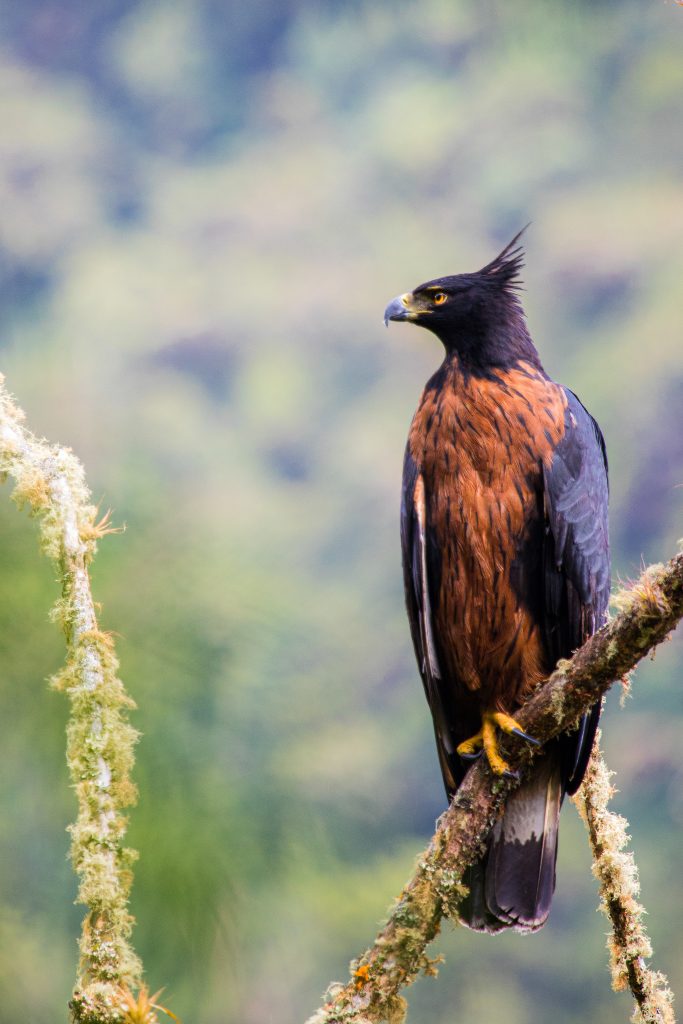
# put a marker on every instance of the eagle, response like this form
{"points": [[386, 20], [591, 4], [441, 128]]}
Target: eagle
{"points": [[506, 564]]}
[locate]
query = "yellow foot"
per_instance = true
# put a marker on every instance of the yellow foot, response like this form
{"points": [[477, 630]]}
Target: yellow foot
{"points": [[487, 740]]}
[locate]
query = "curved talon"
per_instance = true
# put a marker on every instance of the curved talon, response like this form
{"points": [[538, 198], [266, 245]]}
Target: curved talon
{"points": [[472, 757], [473, 747], [526, 736]]}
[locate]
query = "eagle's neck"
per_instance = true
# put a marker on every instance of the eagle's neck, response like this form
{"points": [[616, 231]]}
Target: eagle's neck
{"points": [[492, 337]]}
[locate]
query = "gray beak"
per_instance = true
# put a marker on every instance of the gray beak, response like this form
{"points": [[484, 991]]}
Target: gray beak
{"points": [[396, 310]]}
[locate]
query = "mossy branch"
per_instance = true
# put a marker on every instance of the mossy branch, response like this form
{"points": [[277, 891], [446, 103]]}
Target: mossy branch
{"points": [[100, 741], [647, 612], [616, 871]]}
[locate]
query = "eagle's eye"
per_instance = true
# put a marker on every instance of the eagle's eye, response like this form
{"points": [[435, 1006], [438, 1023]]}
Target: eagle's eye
{"points": [[439, 298]]}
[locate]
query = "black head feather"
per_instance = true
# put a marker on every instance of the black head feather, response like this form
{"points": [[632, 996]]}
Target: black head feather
{"points": [[477, 316], [506, 268]]}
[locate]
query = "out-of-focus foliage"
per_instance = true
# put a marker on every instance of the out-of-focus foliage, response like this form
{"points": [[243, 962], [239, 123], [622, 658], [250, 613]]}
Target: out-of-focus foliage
{"points": [[205, 207]]}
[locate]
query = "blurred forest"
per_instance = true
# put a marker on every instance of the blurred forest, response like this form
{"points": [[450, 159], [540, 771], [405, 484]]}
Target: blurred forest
{"points": [[205, 207]]}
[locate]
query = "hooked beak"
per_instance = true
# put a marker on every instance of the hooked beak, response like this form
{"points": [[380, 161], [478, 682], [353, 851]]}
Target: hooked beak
{"points": [[399, 309]]}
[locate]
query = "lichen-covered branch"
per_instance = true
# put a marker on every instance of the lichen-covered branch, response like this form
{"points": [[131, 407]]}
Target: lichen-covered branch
{"points": [[648, 611], [100, 741], [616, 871]]}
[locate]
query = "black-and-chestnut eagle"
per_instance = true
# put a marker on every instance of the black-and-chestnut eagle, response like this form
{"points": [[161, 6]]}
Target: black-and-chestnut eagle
{"points": [[506, 564]]}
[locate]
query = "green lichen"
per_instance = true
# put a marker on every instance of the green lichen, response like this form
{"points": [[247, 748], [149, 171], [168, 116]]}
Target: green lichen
{"points": [[612, 650], [615, 868], [451, 892], [557, 692], [644, 596], [98, 1003], [100, 741]]}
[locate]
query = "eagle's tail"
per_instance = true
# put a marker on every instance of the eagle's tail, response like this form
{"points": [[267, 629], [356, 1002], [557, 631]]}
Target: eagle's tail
{"points": [[512, 886]]}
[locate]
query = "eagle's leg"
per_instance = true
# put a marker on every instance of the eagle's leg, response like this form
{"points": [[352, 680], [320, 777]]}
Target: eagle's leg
{"points": [[487, 738]]}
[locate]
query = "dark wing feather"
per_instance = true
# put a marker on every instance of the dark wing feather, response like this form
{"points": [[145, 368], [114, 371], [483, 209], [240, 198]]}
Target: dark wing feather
{"points": [[417, 594], [576, 559]]}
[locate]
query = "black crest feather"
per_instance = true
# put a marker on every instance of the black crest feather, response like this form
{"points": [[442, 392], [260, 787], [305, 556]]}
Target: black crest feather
{"points": [[506, 267]]}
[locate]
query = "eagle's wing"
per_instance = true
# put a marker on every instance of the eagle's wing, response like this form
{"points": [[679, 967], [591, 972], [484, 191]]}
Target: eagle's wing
{"points": [[414, 544], [576, 562]]}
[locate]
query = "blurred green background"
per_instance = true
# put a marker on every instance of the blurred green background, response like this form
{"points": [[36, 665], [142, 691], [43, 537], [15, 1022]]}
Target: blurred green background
{"points": [[205, 207]]}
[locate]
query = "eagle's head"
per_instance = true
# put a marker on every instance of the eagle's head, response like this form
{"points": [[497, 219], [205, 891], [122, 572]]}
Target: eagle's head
{"points": [[477, 316]]}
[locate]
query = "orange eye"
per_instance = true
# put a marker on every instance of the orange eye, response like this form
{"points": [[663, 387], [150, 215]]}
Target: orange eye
{"points": [[440, 298]]}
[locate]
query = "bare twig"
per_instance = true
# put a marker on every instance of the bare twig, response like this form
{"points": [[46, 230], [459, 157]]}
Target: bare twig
{"points": [[649, 610], [100, 741], [615, 868]]}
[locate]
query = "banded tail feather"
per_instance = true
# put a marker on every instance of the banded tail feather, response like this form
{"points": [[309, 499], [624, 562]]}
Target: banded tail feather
{"points": [[512, 885]]}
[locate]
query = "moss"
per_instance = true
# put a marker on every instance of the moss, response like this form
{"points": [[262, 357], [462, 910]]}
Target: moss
{"points": [[99, 1004], [32, 489], [557, 693], [615, 868], [612, 650], [395, 1010], [451, 892], [645, 596], [100, 740], [91, 529]]}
